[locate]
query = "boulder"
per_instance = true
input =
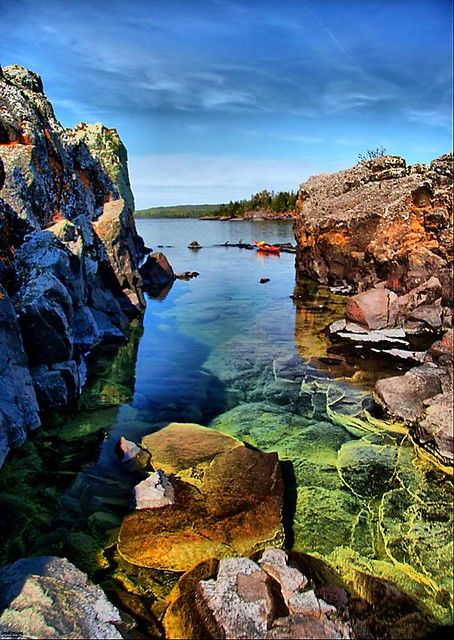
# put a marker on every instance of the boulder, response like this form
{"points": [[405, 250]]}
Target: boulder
{"points": [[156, 271], [403, 396], [372, 309], [132, 456], [47, 597], [435, 430], [227, 497], [18, 405]]}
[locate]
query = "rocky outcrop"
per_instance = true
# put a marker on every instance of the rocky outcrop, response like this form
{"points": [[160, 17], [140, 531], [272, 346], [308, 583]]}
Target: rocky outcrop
{"points": [[19, 408], [69, 250], [381, 220], [106, 146], [47, 597]]}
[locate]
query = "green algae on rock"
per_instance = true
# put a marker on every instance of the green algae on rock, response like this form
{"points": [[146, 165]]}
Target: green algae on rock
{"points": [[362, 494], [228, 499]]}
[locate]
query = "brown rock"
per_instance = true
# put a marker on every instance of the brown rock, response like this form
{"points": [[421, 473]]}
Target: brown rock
{"points": [[372, 308], [435, 430], [442, 351], [227, 499], [379, 220]]}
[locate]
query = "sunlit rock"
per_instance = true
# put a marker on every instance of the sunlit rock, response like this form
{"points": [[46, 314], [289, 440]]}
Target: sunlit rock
{"points": [[154, 492], [228, 498]]}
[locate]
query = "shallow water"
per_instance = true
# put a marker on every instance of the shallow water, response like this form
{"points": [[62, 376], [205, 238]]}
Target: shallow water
{"points": [[226, 351]]}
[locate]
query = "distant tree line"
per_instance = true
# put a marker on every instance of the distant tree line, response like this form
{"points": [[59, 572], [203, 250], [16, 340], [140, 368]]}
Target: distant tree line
{"points": [[263, 201]]}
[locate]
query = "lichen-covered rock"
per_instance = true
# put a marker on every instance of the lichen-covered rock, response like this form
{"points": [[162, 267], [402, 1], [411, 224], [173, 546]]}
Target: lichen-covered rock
{"points": [[381, 220], [69, 249], [18, 406], [105, 145], [227, 497], [47, 597]]}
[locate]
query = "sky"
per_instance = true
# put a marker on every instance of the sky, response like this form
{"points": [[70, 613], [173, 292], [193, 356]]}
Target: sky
{"points": [[218, 99]]}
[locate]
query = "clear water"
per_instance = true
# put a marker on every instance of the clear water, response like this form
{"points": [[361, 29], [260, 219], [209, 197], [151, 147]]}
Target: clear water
{"points": [[243, 357]]}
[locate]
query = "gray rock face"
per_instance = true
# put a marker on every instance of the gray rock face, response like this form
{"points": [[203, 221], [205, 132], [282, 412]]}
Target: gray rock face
{"points": [[18, 406], [47, 597], [69, 249]]}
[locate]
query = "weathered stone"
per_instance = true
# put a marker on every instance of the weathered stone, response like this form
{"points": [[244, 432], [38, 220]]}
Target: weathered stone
{"points": [[442, 351], [47, 597], [86, 331], [403, 396], [274, 562], [435, 430], [371, 308], [45, 317], [238, 603], [18, 405], [117, 234], [243, 602], [154, 492], [156, 270], [375, 222], [107, 329], [227, 497]]}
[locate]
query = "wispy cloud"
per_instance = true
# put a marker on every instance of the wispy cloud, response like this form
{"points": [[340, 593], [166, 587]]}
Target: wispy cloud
{"points": [[170, 178]]}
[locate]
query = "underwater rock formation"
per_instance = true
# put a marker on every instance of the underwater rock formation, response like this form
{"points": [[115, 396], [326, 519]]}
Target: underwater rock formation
{"points": [[69, 249], [228, 499]]}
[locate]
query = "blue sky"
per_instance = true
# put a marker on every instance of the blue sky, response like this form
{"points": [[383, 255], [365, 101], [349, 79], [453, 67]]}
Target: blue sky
{"points": [[217, 99]]}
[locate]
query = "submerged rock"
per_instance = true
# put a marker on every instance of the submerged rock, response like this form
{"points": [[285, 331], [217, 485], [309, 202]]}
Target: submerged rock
{"points": [[227, 498], [47, 597]]}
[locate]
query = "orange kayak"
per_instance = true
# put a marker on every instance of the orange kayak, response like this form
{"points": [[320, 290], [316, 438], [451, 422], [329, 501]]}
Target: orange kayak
{"points": [[265, 247]]}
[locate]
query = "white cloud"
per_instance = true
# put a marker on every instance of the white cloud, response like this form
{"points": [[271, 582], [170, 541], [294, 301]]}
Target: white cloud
{"points": [[166, 179], [431, 117]]}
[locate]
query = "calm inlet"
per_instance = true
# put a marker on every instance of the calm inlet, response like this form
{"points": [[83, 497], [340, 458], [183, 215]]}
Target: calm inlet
{"points": [[249, 360]]}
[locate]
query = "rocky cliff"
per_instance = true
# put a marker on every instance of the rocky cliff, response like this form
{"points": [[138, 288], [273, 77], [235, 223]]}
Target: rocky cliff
{"points": [[385, 230], [69, 252], [381, 220]]}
